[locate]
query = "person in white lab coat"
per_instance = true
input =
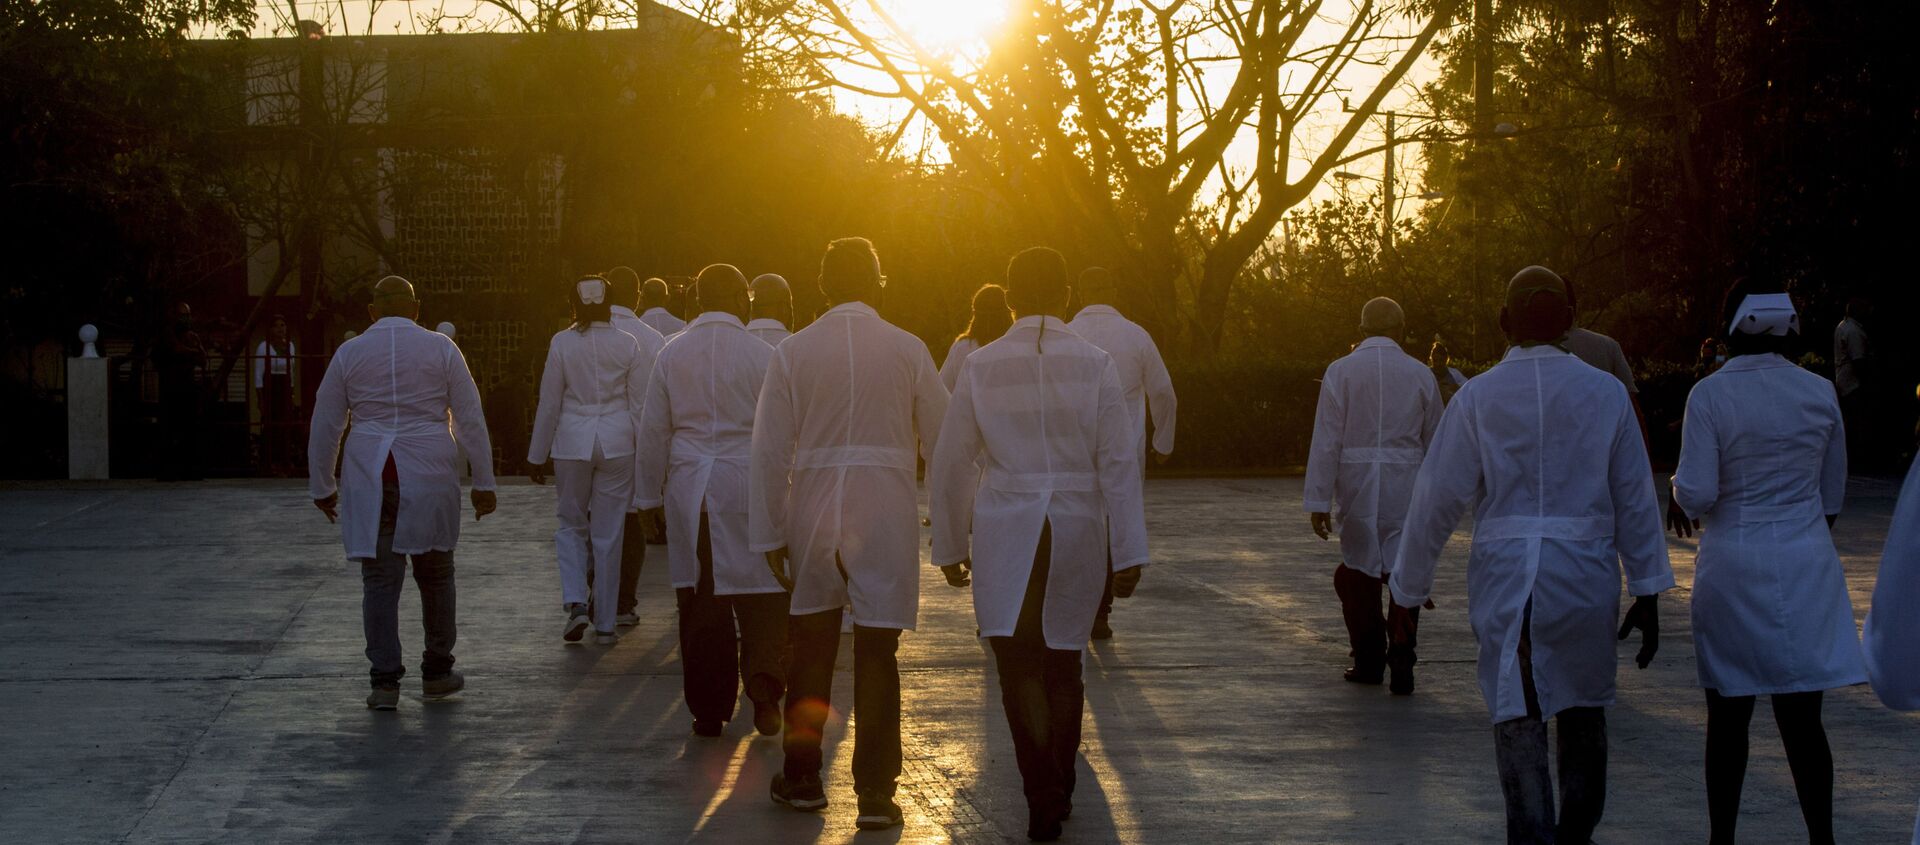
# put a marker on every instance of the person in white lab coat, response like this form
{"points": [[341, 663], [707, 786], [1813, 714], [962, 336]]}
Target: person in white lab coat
{"points": [[1547, 452], [590, 396], [1044, 411], [1377, 412], [1891, 639], [832, 499], [624, 288], [654, 298], [696, 436], [989, 321], [400, 385], [1142, 374], [1763, 465], [772, 309]]}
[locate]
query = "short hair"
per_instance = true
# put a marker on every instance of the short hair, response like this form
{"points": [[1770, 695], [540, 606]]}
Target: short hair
{"points": [[625, 285], [654, 291], [849, 268], [1538, 308], [1381, 312], [716, 284], [1036, 279]]}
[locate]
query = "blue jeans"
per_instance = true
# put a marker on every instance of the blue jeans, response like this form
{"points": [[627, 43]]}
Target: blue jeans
{"points": [[1520, 749], [382, 577]]}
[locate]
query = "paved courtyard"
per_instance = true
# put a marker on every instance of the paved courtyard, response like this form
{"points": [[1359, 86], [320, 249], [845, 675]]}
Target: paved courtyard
{"points": [[182, 663]]}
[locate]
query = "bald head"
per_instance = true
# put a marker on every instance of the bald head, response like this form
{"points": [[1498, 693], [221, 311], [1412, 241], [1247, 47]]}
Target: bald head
{"points": [[625, 286], [653, 293], [772, 298], [1538, 309], [722, 287], [1383, 317], [393, 297]]}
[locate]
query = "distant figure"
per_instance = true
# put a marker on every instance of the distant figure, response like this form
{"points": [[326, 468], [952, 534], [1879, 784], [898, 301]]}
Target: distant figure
{"points": [[179, 355], [1854, 371], [1543, 448], [846, 401], [1604, 354], [1713, 355], [625, 293], [990, 320], [696, 438], [1142, 374], [1378, 409], [400, 384], [273, 368], [590, 397], [1763, 464], [1044, 411], [1892, 635], [772, 312], [1447, 376], [654, 299]]}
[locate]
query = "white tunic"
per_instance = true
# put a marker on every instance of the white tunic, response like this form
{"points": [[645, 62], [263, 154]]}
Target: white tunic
{"points": [[649, 339], [1763, 460], [590, 395], [1052, 430], [956, 355], [696, 436], [1892, 638], [1378, 409], [1551, 451], [401, 384], [833, 463], [769, 330], [1142, 372], [661, 320]]}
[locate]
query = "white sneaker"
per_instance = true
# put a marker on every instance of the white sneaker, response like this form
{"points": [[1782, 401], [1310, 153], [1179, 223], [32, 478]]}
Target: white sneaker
{"points": [[627, 620], [605, 638]]}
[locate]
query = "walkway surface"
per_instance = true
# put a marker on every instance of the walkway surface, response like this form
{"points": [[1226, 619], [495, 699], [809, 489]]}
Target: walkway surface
{"points": [[183, 663]]}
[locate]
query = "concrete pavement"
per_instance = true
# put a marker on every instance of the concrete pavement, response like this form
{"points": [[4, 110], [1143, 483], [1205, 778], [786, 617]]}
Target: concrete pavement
{"points": [[182, 663]]}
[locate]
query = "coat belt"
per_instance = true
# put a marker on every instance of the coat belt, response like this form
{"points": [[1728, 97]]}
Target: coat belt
{"points": [[386, 428], [1544, 527], [828, 457], [1041, 482], [1381, 455], [701, 450], [1804, 511]]}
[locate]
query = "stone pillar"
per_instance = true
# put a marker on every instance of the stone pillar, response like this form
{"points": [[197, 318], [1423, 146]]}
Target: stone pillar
{"points": [[87, 386]]}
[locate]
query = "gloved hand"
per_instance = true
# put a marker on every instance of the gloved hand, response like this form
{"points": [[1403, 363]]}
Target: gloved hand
{"points": [[1126, 581], [777, 562], [1322, 524], [1645, 615], [1678, 521], [958, 574], [1402, 622]]}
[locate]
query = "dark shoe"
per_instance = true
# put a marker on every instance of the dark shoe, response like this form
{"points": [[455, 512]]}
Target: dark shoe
{"points": [[438, 688], [576, 626], [385, 697], [877, 812], [1402, 683], [766, 717], [804, 794], [1101, 630], [707, 727], [1370, 676], [1043, 825]]}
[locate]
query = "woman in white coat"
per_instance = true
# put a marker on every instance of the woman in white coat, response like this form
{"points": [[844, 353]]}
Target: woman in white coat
{"points": [[990, 320], [1763, 465], [590, 395]]}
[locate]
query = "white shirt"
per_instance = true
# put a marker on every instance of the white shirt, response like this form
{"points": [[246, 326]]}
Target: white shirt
{"points": [[1142, 372], [1849, 348], [1763, 460], [662, 321], [1378, 409], [400, 384], [1548, 453], [956, 355], [768, 329], [696, 436], [1047, 417], [1892, 637], [845, 401], [590, 395], [267, 359]]}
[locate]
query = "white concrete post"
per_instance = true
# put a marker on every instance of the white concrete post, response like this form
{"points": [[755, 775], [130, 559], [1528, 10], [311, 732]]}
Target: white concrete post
{"points": [[88, 379]]}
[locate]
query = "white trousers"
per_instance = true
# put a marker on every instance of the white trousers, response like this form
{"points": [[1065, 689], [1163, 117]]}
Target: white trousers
{"points": [[593, 500]]}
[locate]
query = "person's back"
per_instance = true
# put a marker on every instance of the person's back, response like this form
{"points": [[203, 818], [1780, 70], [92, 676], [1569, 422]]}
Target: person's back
{"points": [[1037, 405], [396, 378], [1142, 372], [713, 371], [1601, 353], [589, 393], [1778, 421], [852, 377]]}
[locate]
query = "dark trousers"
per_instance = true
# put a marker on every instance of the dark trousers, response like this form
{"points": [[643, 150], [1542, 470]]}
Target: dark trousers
{"points": [[279, 429], [179, 426], [1808, 756], [713, 657], [1520, 746], [1360, 596], [382, 577], [813, 641], [633, 558], [1042, 692]]}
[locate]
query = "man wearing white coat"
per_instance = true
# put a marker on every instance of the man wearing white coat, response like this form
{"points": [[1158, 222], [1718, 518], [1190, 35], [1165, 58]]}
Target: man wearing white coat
{"points": [[1548, 453], [772, 309], [590, 396], [1142, 374], [625, 290], [1892, 636], [832, 496], [696, 436], [400, 384], [1378, 409], [1044, 412]]}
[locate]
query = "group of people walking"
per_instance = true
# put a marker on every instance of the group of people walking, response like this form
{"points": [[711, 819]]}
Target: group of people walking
{"points": [[779, 468]]}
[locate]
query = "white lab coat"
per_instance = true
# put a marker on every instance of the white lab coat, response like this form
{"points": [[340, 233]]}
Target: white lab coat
{"points": [[833, 461], [661, 320], [1892, 637], [1763, 460], [1053, 432], [401, 384], [1378, 409], [696, 437], [590, 395], [769, 330], [265, 358], [1142, 372], [1548, 452], [956, 355]]}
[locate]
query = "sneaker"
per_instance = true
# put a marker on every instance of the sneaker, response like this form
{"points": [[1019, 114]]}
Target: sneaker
{"points": [[877, 812], [384, 698], [576, 626], [605, 638], [438, 688], [708, 727], [626, 620], [766, 717], [804, 794], [1101, 630]]}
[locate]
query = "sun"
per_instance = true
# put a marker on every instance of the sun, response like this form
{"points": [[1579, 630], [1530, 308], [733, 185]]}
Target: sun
{"points": [[948, 23]]}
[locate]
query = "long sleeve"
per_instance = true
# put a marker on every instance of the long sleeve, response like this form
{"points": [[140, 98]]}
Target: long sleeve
{"points": [[323, 433], [1435, 406], [1696, 479], [771, 466], [469, 418], [950, 368], [1116, 461], [1323, 457], [953, 478], [656, 442], [1161, 403], [1891, 640], [546, 417], [1447, 485], [1833, 470], [639, 382], [1638, 534], [260, 366], [929, 405]]}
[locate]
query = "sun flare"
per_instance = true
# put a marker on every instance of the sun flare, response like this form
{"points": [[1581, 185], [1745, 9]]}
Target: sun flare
{"points": [[948, 23]]}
